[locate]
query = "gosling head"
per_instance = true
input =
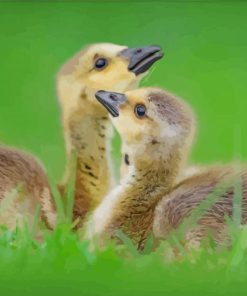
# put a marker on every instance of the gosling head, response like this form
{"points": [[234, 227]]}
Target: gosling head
{"points": [[153, 123], [102, 66]]}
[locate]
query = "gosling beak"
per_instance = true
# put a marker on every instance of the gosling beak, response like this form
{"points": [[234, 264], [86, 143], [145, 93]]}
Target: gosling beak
{"points": [[141, 58], [111, 101]]}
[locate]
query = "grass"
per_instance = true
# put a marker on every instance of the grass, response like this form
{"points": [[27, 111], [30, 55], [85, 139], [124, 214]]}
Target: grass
{"points": [[63, 264]]}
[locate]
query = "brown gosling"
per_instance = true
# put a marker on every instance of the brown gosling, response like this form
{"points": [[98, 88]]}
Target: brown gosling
{"points": [[24, 187], [87, 130], [157, 130]]}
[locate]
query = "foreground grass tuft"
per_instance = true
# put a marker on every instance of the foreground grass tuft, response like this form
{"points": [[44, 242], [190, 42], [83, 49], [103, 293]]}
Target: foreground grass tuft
{"points": [[61, 263]]}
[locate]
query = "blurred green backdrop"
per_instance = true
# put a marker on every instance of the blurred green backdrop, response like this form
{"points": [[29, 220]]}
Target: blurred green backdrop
{"points": [[205, 63]]}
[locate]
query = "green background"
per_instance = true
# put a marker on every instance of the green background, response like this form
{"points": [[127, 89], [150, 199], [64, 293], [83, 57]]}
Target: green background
{"points": [[205, 63]]}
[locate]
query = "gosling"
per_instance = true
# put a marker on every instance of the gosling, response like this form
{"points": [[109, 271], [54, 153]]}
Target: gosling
{"points": [[157, 131]]}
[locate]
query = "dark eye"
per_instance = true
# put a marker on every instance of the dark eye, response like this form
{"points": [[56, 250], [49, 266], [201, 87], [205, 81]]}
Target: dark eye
{"points": [[101, 63], [126, 159], [140, 110]]}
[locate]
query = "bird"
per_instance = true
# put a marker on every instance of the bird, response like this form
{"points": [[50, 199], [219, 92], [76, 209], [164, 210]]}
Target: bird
{"points": [[24, 188], [87, 129], [157, 129]]}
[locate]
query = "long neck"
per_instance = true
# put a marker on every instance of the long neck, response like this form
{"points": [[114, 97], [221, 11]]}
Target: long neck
{"points": [[130, 206], [89, 138]]}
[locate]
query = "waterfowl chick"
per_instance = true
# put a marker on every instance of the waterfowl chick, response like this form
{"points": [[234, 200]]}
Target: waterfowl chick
{"points": [[86, 126], [157, 129], [22, 172]]}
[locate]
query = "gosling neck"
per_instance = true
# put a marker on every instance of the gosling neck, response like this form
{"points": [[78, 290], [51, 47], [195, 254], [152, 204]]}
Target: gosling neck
{"points": [[89, 137], [148, 180]]}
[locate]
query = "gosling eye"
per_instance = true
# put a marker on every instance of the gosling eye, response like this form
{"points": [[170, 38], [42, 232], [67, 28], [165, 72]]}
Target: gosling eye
{"points": [[140, 110], [126, 159], [100, 63]]}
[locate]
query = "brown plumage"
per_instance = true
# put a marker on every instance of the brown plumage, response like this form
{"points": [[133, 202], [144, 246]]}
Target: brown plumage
{"points": [[215, 187], [87, 129], [24, 186]]}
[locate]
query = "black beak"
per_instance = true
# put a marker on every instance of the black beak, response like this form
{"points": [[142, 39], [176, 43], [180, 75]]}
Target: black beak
{"points": [[142, 58], [111, 101]]}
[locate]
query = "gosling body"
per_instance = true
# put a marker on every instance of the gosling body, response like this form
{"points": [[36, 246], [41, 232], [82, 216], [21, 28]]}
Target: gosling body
{"points": [[217, 187], [24, 188]]}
